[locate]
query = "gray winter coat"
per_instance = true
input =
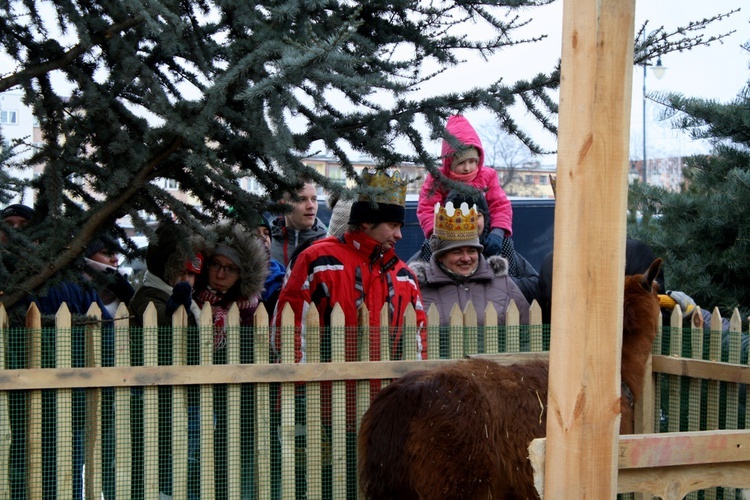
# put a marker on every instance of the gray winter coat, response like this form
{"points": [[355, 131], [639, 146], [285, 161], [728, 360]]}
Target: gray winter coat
{"points": [[490, 283]]}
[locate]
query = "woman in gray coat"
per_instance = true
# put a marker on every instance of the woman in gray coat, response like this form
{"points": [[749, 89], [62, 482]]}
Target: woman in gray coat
{"points": [[458, 272]]}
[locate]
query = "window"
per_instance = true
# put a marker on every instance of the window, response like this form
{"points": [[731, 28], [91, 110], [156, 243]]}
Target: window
{"points": [[8, 117], [170, 184]]}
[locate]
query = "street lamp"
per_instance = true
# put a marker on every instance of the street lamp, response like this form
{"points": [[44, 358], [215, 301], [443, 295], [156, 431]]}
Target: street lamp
{"points": [[659, 71]]}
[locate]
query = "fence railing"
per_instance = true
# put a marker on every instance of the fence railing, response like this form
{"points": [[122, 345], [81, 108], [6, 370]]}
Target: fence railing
{"points": [[108, 410]]}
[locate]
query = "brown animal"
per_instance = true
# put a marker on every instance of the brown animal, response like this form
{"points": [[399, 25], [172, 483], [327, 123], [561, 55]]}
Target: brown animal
{"points": [[462, 431]]}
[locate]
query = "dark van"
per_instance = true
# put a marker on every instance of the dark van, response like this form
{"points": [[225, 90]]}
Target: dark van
{"points": [[533, 226]]}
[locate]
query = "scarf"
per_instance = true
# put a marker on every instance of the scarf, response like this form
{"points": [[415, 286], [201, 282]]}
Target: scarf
{"points": [[220, 309], [463, 177]]}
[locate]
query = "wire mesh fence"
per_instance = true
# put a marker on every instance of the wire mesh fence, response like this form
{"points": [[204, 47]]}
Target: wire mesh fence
{"points": [[110, 411]]}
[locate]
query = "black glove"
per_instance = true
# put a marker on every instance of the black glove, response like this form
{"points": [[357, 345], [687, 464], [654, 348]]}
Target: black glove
{"points": [[493, 242], [120, 286], [181, 296]]}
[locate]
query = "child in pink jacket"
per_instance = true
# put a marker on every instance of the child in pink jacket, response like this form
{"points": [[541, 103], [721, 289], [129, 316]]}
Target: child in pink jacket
{"points": [[467, 165]]}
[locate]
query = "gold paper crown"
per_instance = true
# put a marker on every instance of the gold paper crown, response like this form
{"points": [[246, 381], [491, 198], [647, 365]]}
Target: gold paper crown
{"points": [[456, 225], [391, 189]]}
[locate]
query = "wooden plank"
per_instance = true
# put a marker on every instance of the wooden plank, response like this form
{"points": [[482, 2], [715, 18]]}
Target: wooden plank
{"points": [[490, 330], [286, 431], [470, 329], [735, 345], [639, 451], [64, 406], [675, 394], [595, 92], [512, 332], [315, 447], [123, 443], [5, 439], [456, 333], [150, 407], [536, 329], [234, 408], [672, 465], [261, 465], [702, 369], [34, 406], [410, 333], [338, 406], [433, 333], [206, 391], [93, 446], [151, 376], [179, 409]]}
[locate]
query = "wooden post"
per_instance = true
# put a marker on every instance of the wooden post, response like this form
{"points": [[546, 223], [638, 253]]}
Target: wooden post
{"points": [[584, 390]]}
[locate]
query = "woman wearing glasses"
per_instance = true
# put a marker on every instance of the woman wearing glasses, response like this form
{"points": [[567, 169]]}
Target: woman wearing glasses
{"points": [[235, 271]]}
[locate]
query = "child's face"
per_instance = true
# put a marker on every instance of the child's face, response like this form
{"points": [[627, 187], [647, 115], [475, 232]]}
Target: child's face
{"points": [[186, 276], [466, 166]]}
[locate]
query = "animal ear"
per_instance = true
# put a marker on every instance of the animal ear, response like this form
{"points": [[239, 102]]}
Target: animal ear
{"points": [[647, 281]]}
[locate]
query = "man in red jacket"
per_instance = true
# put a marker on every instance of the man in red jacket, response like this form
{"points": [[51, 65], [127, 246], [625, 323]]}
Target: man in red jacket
{"points": [[361, 267]]}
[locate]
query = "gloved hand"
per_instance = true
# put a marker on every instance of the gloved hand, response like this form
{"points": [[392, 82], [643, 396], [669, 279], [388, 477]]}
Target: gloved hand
{"points": [[685, 301], [493, 242], [181, 296]]}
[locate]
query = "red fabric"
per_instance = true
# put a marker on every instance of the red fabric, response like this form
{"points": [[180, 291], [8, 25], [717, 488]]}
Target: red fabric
{"points": [[351, 273], [486, 180]]}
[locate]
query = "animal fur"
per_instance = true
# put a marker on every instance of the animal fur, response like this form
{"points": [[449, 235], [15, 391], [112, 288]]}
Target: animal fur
{"points": [[462, 431]]}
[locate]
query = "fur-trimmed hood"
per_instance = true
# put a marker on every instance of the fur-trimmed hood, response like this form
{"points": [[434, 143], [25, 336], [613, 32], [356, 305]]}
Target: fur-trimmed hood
{"points": [[427, 272], [253, 255]]}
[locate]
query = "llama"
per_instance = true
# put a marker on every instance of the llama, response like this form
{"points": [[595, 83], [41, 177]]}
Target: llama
{"points": [[462, 431]]}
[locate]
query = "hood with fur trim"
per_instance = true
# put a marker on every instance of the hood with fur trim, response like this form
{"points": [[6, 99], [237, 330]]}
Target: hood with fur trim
{"points": [[252, 253]]}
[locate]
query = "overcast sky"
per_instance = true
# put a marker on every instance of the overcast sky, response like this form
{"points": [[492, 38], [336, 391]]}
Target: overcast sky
{"points": [[716, 72]]}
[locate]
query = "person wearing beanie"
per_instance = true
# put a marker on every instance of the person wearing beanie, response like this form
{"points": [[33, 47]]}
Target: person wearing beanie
{"points": [[299, 227], [463, 161], [16, 216], [172, 265], [101, 258], [457, 272], [340, 210], [235, 272], [360, 268]]}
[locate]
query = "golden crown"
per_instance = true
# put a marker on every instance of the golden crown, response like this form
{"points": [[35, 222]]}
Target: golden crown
{"points": [[456, 224], [386, 187]]}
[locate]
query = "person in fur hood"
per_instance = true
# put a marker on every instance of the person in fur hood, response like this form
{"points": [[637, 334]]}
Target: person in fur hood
{"points": [[457, 272], [172, 265], [236, 270]]}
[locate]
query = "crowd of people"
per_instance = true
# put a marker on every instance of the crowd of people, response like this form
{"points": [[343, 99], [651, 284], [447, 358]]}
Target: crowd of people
{"points": [[294, 260]]}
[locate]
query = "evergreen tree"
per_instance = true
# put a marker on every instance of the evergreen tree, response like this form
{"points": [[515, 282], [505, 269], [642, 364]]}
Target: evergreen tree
{"points": [[207, 92], [703, 232]]}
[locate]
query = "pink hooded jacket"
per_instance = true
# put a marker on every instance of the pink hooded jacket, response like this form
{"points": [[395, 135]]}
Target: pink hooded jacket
{"points": [[486, 180]]}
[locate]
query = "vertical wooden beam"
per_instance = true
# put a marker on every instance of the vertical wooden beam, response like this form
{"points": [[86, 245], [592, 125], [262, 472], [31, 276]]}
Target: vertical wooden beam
{"points": [[584, 391]]}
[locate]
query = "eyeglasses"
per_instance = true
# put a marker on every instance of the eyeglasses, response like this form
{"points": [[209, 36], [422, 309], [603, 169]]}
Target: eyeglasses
{"points": [[230, 270]]}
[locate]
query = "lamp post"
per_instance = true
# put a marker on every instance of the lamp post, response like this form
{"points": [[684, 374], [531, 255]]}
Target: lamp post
{"points": [[659, 71]]}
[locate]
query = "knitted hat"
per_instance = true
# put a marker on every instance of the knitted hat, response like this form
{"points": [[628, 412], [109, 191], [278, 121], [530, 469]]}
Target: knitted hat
{"points": [[19, 210], [340, 217], [454, 229], [99, 244], [463, 155], [385, 205], [228, 252]]}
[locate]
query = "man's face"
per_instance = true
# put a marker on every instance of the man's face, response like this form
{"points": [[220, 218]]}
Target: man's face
{"points": [[303, 211], [107, 257], [16, 222], [385, 233]]}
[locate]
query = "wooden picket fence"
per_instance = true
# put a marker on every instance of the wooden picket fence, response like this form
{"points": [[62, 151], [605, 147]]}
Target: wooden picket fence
{"points": [[300, 446]]}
